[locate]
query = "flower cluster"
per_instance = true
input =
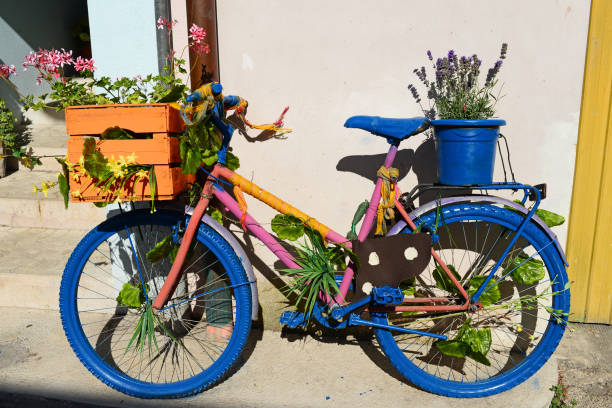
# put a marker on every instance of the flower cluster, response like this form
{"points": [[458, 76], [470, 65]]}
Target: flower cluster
{"points": [[197, 44], [49, 63], [6, 70], [455, 90], [165, 23]]}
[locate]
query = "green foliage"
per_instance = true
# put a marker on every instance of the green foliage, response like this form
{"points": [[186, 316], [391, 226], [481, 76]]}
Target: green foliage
{"points": [[491, 294], [469, 342], [287, 226], [215, 214], [93, 160], [550, 218], [131, 296], [359, 213], [161, 250], [443, 281], [408, 287], [560, 396], [9, 137], [528, 271], [115, 133]]}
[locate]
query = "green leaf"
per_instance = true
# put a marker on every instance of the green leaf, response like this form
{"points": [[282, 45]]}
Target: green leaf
{"points": [[173, 95], [287, 226], [191, 158], [115, 133], [359, 213], [152, 186], [64, 188], [530, 272], [453, 348], [490, 295], [550, 218], [131, 296], [479, 340], [232, 161], [161, 250], [408, 287], [209, 158], [216, 215], [94, 161], [443, 281], [481, 358]]}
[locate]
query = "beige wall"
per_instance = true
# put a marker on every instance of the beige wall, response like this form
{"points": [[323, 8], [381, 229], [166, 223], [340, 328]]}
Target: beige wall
{"points": [[330, 60]]}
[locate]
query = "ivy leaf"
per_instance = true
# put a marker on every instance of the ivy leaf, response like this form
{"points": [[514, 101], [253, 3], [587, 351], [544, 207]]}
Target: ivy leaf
{"points": [[191, 158], [131, 296], [490, 295], [287, 226], [529, 272], [161, 250], [115, 133], [216, 215], [550, 218], [453, 348], [94, 161], [408, 287], [443, 281], [173, 95], [232, 161], [64, 189]]}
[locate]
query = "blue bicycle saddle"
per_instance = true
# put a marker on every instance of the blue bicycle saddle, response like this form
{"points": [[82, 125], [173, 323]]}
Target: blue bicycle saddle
{"points": [[394, 129]]}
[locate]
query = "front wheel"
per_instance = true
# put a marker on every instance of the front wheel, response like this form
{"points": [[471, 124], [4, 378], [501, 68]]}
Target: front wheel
{"points": [[522, 318], [107, 289]]}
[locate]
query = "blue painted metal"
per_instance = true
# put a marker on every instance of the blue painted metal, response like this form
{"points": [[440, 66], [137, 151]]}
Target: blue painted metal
{"points": [[230, 101], [339, 312], [395, 130], [466, 150], [355, 320], [204, 294], [293, 319], [387, 296]]}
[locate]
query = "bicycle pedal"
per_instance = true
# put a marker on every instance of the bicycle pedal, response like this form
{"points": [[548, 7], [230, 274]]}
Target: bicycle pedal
{"points": [[293, 319]]}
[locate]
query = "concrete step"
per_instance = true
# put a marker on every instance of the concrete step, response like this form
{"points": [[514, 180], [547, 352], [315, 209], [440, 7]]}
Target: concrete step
{"points": [[19, 207]]}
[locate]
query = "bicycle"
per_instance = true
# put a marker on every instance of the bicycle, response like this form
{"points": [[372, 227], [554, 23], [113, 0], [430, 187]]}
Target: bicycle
{"points": [[199, 320]]}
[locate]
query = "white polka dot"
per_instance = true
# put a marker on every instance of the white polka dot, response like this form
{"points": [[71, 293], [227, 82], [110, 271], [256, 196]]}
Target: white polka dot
{"points": [[411, 253], [373, 259], [366, 288]]}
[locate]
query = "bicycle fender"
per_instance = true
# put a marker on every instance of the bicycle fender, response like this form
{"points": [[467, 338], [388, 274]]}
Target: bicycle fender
{"points": [[244, 259], [479, 198]]}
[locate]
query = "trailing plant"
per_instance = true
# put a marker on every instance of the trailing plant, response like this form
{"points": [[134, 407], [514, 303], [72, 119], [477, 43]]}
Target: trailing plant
{"points": [[456, 89], [318, 261], [13, 140]]}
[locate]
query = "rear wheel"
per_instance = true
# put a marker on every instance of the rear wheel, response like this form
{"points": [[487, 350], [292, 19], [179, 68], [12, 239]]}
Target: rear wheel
{"points": [[105, 296], [522, 318]]}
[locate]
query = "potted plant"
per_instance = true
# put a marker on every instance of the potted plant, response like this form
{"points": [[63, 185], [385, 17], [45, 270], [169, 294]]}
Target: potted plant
{"points": [[463, 107]]}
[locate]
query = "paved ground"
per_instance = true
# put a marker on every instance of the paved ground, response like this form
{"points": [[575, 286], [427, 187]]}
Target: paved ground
{"points": [[37, 368], [585, 365]]}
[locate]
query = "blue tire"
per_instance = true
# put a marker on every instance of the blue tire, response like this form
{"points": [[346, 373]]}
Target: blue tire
{"points": [[525, 321], [191, 345]]}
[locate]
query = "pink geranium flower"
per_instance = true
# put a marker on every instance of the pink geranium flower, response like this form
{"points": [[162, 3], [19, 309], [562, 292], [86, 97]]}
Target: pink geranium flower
{"points": [[82, 64], [200, 48], [196, 33], [6, 70]]}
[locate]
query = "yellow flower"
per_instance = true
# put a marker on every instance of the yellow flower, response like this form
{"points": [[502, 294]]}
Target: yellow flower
{"points": [[77, 194], [142, 173], [131, 158], [45, 187], [35, 189]]}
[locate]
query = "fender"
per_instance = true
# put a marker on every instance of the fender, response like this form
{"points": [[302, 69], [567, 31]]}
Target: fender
{"points": [[244, 259], [479, 198]]}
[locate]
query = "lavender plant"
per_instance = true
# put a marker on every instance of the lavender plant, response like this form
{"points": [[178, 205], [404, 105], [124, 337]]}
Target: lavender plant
{"points": [[456, 90]]}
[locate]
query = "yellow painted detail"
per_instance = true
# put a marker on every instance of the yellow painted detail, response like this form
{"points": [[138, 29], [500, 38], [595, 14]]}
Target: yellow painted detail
{"points": [[276, 203], [387, 194], [589, 241]]}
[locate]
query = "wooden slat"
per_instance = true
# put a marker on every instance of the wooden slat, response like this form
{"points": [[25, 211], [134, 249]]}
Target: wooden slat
{"points": [[161, 149], [589, 216], [139, 118]]}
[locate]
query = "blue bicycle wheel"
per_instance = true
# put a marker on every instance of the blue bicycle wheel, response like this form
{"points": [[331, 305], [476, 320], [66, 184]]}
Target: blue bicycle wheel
{"points": [[188, 346], [522, 318]]}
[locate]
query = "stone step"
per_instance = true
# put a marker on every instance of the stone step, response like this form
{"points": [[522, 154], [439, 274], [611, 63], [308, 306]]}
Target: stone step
{"points": [[19, 207]]}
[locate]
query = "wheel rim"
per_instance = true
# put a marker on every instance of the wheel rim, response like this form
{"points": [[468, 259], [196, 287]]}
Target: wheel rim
{"points": [[188, 338], [520, 321]]}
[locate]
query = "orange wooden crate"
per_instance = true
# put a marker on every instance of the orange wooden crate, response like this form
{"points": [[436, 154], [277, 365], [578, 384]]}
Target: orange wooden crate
{"points": [[162, 150]]}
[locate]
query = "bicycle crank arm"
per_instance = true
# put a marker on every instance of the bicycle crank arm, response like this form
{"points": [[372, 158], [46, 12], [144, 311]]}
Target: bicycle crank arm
{"points": [[355, 320]]}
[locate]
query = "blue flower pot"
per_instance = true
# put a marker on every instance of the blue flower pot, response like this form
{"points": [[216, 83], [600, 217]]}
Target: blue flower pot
{"points": [[466, 150]]}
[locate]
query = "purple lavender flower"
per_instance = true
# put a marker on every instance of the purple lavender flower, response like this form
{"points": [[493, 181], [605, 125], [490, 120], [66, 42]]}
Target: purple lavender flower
{"points": [[451, 55], [429, 55]]}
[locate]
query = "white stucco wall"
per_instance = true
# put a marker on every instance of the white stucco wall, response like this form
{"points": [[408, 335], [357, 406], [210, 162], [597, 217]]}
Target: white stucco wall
{"points": [[330, 60]]}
